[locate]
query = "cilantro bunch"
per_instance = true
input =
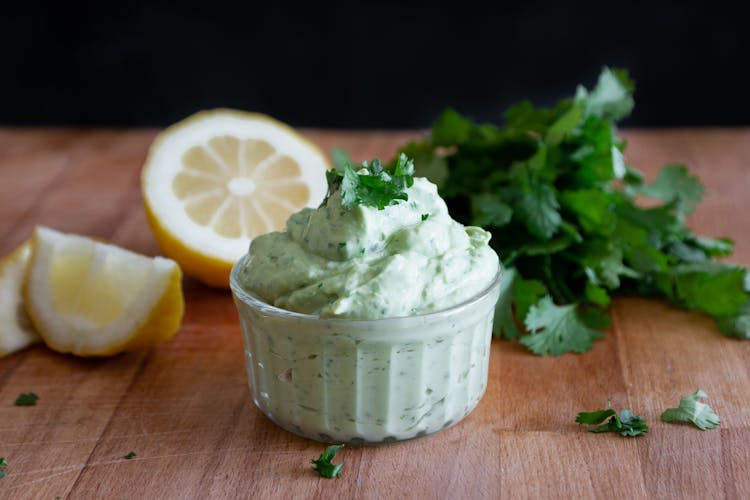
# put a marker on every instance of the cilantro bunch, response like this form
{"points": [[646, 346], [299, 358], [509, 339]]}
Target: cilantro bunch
{"points": [[552, 186]]}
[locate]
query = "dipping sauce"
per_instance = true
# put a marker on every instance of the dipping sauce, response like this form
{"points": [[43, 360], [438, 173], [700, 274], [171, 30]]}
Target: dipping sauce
{"points": [[364, 325]]}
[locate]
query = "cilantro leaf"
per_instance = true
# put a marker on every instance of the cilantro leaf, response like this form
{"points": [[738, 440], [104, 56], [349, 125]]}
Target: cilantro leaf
{"points": [[712, 247], [595, 318], [714, 288], [596, 294], [370, 184], [340, 158], [557, 329], [537, 208], [3, 466], [626, 424], [26, 399], [595, 417], [598, 161], [692, 410], [504, 323], [565, 125], [517, 295], [602, 263], [525, 117], [451, 128], [129, 456], [675, 186], [489, 209], [592, 208], [349, 187], [431, 165], [737, 325], [612, 98], [629, 425], [323, 464], [526, 293]]}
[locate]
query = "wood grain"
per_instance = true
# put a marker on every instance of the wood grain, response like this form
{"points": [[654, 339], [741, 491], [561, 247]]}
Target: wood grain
{"points": [[184, 407]]}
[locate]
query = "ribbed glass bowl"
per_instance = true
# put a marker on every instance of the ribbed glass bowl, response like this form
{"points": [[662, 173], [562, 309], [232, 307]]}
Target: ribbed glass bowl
{"points": [[366, 381]]}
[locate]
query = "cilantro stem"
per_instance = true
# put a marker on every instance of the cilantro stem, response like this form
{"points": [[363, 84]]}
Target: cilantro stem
{"points": [[560, 292]]}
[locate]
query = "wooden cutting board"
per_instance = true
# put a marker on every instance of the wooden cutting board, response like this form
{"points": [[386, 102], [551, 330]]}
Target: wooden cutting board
{"points": [[184, 408]]}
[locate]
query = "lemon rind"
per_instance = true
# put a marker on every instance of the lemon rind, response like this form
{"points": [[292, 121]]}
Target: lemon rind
{"points": [[17, 331], [141, 324], [211, 257]]}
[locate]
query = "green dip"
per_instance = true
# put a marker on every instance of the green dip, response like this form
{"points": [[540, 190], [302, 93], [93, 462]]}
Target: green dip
{"points": [[366, 326], [364, 263]]}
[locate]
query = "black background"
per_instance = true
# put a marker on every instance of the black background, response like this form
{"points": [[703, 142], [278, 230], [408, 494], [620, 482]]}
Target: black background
{"points": [[360, 65]]}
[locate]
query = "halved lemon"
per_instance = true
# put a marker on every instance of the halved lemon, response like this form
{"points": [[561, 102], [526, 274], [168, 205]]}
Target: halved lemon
{"points": [[91, 298], [214, 181], [16, 331]]}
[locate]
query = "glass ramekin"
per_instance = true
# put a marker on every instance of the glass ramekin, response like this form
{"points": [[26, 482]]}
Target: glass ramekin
{"points": [[366, 381]]}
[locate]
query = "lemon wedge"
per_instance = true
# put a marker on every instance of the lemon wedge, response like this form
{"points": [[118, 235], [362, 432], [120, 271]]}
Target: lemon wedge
{"points": [[217, 179], [91, 298], [16, 331]]}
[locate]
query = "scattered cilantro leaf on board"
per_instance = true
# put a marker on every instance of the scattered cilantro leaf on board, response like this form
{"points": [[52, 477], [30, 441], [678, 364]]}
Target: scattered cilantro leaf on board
{"points": [[129, 455], [3, 466], [26, 399], [553, 187], [323, 464], [626, 424], [370, 183], [691, 410]]}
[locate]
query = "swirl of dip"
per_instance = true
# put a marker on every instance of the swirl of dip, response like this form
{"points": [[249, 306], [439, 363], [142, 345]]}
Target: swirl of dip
{"points": [[364, 263]]}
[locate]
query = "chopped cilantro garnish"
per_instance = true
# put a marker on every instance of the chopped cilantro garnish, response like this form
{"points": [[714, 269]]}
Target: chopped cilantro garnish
{"points": [[553, 185], [370, 184], [323, 464], [26, 399], [626, 424], [692, 410], [425, 216], [3, 465], [129, 455]]}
